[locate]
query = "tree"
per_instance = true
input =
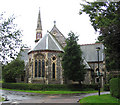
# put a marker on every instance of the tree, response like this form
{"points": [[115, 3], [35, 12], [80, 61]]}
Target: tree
{"points": [[105, 18], [10, 39], [13, 70], [72, 61]]}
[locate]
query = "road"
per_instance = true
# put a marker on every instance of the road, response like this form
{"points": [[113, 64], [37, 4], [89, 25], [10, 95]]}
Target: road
{"points": [[24, 97]]}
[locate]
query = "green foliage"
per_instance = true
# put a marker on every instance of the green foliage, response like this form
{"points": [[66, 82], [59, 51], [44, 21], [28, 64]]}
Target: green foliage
{"points": [[72, 61], [110, 76], [26, 86], [115, 87], [49, 87], [10, 38], [106, 87], [91, 86], [13, 70], [104, 17]]}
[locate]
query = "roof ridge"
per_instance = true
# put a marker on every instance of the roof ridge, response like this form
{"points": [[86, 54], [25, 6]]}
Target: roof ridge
{"points": [[90, 44], [56, 41], [44, 44]]}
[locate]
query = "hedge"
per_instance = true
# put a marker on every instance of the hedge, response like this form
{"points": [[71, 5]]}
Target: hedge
{"points": [[26, 86], [49, 87], [115, 87], [106, 87]]}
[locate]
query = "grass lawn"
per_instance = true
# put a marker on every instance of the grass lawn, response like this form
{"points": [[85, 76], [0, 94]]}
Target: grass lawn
{"points": [[106, 98], [53, 92]]}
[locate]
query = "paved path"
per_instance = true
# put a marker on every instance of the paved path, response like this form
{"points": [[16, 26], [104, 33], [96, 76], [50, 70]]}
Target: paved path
{"points": [[23, 97]]}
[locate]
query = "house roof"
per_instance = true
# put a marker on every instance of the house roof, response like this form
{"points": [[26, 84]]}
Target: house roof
{"points": [[90, 53], [48, 42], [86, 64]]}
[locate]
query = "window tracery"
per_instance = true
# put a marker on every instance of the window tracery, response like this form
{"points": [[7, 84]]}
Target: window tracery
{"points": [[39, 65]]}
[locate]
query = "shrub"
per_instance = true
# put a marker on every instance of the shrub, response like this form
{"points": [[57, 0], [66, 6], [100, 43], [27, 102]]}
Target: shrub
{"points": [[55, 87], [13, 70], [26, 86], [110, 76], [106, 87], [91, 86], [115, 87]]}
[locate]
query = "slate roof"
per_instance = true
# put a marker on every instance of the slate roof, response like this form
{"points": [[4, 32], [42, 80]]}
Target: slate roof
{"points": [[90, 53], [58, 35], [48, 42], [86, 64]]}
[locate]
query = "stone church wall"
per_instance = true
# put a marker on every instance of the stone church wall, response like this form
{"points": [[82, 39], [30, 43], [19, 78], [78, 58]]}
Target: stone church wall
{"points": [[58, 68], [49, 58]]}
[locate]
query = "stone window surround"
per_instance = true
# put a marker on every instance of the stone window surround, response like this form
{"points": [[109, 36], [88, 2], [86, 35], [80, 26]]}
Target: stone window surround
{"points": [[39, 57], [55, 62]]}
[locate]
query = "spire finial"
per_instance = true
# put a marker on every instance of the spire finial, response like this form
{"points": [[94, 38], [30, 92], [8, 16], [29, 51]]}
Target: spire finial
{"points": [[54, 23]]}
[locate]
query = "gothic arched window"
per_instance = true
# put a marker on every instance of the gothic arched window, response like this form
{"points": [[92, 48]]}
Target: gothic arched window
{"points": [[32, 70], [39, 73], [35, 68], [43, 68], [53, 69]]}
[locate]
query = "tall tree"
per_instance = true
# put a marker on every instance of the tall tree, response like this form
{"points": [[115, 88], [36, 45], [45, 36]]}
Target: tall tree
{"points": [[72, 61], [105, 18], [10, 38], [13, 70]]}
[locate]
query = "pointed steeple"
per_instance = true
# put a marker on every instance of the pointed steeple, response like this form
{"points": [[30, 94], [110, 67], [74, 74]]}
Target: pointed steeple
{"points": [[39, 25], [39, 28]]}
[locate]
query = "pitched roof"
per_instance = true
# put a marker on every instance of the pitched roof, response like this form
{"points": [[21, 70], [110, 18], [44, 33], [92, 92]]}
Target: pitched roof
{"points": [[90, 53], [86, 64], [48, 42], [58, 36]]}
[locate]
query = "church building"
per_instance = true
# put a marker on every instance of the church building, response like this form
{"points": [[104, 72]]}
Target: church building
{"points": [[44, 61]]}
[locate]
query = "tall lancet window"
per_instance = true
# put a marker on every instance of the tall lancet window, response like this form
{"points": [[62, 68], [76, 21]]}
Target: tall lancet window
{"points": [[35, 68], [53, 67], [39, 73], [32, 70], [43, 68]]}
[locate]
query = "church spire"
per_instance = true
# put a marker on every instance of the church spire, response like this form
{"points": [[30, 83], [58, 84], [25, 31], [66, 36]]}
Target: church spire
{"points": [[39, 28], [39, 25]]}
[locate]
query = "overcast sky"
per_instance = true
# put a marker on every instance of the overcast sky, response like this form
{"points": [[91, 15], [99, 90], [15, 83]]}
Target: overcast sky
{"points": [[64, 12]]}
